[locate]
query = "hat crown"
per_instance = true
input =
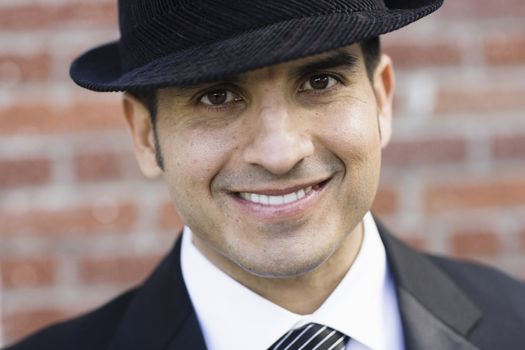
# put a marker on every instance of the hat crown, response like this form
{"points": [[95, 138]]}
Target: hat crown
{"points": [[184, 42], [136, 12], [153, 28]]}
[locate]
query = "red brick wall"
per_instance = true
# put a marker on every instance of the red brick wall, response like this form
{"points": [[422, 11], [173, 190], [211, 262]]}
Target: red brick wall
{"points": [[79, 224]]}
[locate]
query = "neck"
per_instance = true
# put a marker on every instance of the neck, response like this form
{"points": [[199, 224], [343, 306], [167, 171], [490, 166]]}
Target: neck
{"points": [[299, 294]]}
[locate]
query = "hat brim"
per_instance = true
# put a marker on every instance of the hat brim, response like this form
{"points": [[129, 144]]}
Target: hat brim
{"points": [[100, 70]]}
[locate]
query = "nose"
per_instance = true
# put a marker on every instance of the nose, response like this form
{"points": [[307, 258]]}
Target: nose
{"points": [[278, 142]]}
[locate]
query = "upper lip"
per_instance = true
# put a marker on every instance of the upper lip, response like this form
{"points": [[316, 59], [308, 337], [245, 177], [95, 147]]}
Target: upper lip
{"points": [[281, 190]]}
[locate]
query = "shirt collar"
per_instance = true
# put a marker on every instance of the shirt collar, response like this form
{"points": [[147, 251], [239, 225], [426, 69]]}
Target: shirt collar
{"points": [[362, 306]]}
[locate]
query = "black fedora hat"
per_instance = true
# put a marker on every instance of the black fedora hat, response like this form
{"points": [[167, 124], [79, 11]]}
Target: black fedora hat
{"points": [[184, 42]]}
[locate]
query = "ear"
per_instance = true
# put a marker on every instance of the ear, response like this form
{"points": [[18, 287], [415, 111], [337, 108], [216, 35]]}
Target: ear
{"points": [[141, 129], [384, 84]]}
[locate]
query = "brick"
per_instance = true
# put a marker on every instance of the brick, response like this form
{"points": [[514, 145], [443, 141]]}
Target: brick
{"points": [[97, 217], [20, 324], [478, 99], [386, 202], [25, 172], [124, 269], [475, 196], [506, 50], [462, 9], [97, 167], [45, 16], [18, 68], [400, 103], [425, 151], [423, 54], [169, 219], [509, 147], [106, 166], [28, 272], [416, 242], [475, 243], [40, 117]]}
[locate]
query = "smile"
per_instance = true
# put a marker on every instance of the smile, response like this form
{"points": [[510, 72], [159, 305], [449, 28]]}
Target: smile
{"points": [[275, 200], [277, 204]]}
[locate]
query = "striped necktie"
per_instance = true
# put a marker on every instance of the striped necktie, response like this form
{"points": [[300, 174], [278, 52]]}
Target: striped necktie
{"points": [[311, 336]]}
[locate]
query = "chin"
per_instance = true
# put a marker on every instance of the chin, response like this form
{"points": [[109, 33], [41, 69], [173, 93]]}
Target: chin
{"points": [[283, 265]]}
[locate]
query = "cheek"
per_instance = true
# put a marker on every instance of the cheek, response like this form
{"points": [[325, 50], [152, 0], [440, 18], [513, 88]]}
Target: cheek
{"points": [[352, 132], [192, 159], [353, 136], [195, 156]]}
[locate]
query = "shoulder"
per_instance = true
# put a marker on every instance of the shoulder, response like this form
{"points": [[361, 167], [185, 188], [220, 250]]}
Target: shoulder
{"points": [[93, 330], [483, 282], [492, 291], [500, 298]]}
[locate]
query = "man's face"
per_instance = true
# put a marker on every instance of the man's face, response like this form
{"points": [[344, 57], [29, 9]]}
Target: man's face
{"points": [[273, 170]]}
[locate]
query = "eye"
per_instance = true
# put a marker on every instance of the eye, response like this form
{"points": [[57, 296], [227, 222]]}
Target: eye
{"points": [[218, 97], [319, 82]]}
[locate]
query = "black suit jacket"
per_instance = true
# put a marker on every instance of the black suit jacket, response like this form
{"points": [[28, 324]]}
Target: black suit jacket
{"points": [[444, 305]]}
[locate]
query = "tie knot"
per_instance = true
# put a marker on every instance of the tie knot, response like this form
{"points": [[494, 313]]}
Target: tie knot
{"points": [[311, 336]]}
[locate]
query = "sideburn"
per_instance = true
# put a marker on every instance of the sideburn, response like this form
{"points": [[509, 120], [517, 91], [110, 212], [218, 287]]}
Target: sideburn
{"points": [[158, 153]]}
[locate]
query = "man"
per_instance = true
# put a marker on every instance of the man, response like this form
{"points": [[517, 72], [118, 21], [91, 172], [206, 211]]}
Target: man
{"points": [[266, 120]]}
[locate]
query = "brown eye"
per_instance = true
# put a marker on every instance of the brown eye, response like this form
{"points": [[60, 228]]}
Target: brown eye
{"points": [[218, 97], [319, 82]]}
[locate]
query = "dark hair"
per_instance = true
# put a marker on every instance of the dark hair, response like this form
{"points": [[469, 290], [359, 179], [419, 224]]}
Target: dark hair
{"points": [[371, 49]]}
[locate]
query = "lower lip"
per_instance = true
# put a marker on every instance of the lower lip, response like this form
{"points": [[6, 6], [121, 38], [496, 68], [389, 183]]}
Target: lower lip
{"points": [[282, 211]]}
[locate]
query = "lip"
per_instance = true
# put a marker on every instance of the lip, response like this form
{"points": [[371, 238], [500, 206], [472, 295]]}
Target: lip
{"points": [[285, 210], [284, 190]]}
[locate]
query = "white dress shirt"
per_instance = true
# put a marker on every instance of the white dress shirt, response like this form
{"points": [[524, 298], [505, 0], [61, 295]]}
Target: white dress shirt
{"points": [[232, 317]]}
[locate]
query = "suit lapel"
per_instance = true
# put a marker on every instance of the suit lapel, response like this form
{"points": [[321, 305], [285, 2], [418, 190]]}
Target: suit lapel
{"points": [[160, 316], [423, 330], [436, 314]]}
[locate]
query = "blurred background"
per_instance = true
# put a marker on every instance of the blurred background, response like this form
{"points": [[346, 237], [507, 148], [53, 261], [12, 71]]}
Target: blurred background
{"points": [[79, 223]]}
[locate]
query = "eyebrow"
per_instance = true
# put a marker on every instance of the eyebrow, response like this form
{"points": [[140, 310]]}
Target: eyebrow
{"points": [[339, 59]]}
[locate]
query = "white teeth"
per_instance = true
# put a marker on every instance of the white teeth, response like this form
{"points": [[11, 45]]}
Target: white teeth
{"points": [[264, 199], [275, 200], [289, 198]]}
